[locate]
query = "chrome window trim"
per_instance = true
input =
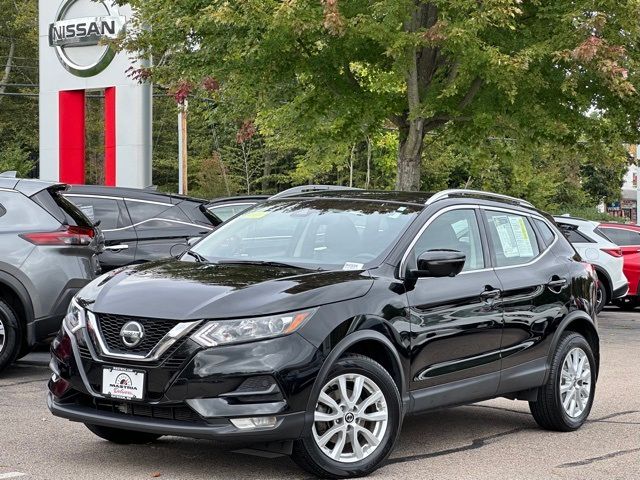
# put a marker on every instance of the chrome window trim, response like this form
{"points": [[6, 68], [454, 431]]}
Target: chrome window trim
{"points": [[214, 207], [158, 219], [8, 190], [401, 273], [111, 197], [176, 333]]}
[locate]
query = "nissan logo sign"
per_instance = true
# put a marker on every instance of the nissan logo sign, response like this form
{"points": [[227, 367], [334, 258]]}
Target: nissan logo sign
{"points": [[79, 32], [132, 334]]}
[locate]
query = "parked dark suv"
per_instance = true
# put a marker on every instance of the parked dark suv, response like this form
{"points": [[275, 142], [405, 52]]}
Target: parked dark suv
{"points": [[141, 225], [316, 322]]}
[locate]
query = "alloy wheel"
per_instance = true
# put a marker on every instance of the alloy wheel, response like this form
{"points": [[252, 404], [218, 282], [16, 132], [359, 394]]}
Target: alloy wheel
{"points": [[575, 382], [350, 418]]}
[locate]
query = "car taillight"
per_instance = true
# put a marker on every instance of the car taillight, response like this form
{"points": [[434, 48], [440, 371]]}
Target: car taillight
{"points": [[614, 252], [68, 235]]}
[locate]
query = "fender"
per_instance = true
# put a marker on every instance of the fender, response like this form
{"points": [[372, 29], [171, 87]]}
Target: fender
{"points": [[339, 350], [16, 286], [584, 319]]}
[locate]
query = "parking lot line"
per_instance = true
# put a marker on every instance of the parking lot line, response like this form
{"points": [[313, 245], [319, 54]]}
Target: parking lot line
{"points": [[11, 475]]}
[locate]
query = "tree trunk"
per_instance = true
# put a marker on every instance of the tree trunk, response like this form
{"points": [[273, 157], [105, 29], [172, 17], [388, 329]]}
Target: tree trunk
{"points": [[369, 154], [351, 161], [7, 69], [410, 156]]}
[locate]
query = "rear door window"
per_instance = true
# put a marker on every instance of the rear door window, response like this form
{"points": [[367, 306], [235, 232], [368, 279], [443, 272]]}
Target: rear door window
{"points": [[143, 211], [109, 211], [513, 238], [621, 236]]}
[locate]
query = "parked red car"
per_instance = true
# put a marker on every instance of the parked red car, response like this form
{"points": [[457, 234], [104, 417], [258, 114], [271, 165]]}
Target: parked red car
{"points": [[628, 238]]}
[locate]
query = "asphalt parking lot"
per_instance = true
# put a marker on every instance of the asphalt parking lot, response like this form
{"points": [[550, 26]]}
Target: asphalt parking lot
{"points": [[489, 440]]}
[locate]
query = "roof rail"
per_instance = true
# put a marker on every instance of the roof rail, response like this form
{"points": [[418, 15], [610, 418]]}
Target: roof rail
{"points": [[9, 174], [292, 192], [464, 192]]}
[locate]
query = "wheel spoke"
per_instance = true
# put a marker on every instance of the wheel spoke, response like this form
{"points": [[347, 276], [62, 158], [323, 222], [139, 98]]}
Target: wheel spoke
{"points": [[565, 387], [328, 435], [369, 437], [342, 384], [355, 444], [358, 383], [338, 448], [374, 416], [329, 402], [326, 417], [567, 400], [370, 400]]}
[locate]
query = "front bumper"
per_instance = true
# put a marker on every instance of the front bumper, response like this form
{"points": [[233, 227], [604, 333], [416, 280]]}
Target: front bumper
{"points": [[193, 392], [289, 427]]}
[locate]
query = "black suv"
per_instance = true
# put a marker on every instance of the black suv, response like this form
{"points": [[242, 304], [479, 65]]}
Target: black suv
{"points": [[316, 322], [141, 225]]}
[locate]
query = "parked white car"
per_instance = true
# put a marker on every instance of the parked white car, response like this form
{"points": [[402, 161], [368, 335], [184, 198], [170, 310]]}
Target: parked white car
{"points": [[605, 256]]}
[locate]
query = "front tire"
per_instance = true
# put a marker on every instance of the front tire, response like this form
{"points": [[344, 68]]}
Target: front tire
{"points": [[122, 437], [565, 401], [9, 337], [357, 418]]}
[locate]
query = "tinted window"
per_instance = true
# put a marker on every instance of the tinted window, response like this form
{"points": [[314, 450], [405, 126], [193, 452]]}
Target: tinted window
{"points": [[105, 210], [545, 231], [62, 209], [514, 241], [454, 230], [141, 211], [225, 212], [622, 237], [573, 235]]}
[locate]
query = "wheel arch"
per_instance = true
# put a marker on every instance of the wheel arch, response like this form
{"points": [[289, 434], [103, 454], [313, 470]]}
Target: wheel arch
{"points": [[372, 344], [579, 322], [608, 283], [17, 296]]}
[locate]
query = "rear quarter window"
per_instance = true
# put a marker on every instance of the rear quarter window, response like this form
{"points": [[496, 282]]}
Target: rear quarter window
{"points": [[60, 208]]}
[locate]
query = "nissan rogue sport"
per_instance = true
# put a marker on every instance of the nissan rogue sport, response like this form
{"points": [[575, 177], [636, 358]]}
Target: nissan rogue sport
{"points": [[314, 323]]}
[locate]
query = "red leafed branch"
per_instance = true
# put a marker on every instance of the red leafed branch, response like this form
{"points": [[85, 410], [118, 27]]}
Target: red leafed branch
{"points": [[333, 21], [246, 132]]}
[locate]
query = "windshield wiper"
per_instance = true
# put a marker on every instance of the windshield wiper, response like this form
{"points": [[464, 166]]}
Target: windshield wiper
{"points": [[265, 263], [199, 258]]}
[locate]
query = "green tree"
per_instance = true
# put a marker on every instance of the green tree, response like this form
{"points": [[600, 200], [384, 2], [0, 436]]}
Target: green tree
{"points": [[340, 70]]}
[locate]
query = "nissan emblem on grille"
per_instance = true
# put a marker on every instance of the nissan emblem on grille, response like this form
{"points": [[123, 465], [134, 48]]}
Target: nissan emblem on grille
{"points": [[132, 334]]}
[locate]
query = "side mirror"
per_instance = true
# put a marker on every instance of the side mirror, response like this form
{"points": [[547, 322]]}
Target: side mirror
{"points": [[439, 263]]}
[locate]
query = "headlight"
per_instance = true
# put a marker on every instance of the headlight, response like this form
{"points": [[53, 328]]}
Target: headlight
{"points": [[226, 332], [75, 319]]}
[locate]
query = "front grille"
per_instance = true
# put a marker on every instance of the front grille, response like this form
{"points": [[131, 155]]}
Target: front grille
{"points": [[154, 330], [180, 412]]}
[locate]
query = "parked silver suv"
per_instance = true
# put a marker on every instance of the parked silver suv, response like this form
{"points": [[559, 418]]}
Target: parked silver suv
{"points": [[48, 252]]}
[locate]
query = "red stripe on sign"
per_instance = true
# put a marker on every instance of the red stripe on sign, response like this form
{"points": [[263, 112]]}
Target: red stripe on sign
{"points": [[72, 132], [110, 136]]}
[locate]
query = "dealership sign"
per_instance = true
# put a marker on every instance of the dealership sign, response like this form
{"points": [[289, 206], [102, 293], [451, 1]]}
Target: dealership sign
{"points": [[81, 40]]}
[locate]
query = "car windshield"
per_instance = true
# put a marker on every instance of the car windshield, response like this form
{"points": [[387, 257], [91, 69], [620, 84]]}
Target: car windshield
{"points": [[314, 233]]}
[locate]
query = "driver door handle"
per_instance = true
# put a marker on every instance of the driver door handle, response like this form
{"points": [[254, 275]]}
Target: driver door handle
{"points": [[557, 282], [490, 294]]}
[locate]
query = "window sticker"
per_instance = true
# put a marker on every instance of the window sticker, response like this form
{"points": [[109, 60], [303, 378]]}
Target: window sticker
{"points": [[514, 236], [258, 214], [507, 238], [352, 266], [88, 212], [522, 236]]}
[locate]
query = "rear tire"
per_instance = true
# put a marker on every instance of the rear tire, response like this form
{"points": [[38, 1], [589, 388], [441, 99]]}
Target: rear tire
{"points": [[9, 337], [122, 437], [626, 303], [365, 426], [602, 297], [563, 403]]}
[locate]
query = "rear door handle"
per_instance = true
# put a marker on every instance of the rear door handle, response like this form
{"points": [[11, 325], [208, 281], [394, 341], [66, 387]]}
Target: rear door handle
{"points": [[490, 294], [116, 248], [557, 283]]}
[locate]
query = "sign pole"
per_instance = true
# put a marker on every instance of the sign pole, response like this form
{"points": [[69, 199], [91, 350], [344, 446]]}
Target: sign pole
{"points": [[183, 187]]}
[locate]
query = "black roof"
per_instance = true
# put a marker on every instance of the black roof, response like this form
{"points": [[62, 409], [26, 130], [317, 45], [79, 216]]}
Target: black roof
{"points": [[135, 193]]}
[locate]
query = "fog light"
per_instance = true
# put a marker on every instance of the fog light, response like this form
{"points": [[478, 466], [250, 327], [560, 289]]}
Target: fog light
{"points": [[58, 386], [254, 422]]}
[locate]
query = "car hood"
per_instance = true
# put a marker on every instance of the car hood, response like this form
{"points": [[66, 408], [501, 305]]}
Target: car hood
{"points": [[189, 291]]}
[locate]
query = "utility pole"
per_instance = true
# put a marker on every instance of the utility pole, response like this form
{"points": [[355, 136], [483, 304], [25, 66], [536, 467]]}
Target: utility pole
{"points": [[183, 187]]}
